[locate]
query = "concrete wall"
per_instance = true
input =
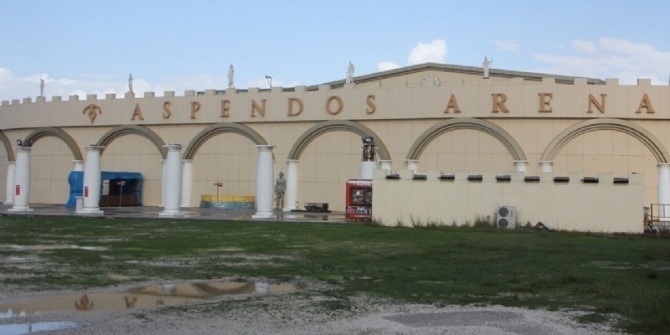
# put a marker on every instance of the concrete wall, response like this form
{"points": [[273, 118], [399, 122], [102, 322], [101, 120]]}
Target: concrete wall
{"points": [[604, 206]]}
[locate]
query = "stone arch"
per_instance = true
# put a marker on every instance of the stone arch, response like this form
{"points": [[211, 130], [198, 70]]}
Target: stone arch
{"points": [[39, 133], [466, 123], [8, 146], [145, 132], [219, 128], [337, 125], [626, 127]]}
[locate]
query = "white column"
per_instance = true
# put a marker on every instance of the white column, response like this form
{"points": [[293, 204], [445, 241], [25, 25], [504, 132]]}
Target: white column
{"points": [[385, 165], [22, 180], [9, 188], [412, 165], [77, 165], [162, 183], [521, 166], [290, 202], [264, 183], [546, 166], [172, 181], [92, 181], [664, 187], [367, 170], [186, 182]]}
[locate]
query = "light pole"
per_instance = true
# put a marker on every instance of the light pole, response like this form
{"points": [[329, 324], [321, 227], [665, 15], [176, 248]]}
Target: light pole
{"points": [[269, 79], [217, 184]]}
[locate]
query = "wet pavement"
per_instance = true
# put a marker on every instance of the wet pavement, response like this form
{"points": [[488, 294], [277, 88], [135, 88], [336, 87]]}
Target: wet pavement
{"points": [[193, 213]]}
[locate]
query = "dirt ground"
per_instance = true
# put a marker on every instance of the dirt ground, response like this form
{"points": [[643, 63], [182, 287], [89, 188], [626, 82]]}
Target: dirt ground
{"points": [[309, 311]]}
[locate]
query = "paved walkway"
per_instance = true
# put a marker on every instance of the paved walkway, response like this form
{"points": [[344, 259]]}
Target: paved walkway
{"points": [[194, 213]]}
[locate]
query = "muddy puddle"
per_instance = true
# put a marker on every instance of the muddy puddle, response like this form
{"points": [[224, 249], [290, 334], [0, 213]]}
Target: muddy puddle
{"points": [[152, 295]]}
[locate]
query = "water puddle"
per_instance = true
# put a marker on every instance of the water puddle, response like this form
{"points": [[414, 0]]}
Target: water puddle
{"points": [[152, 295], [29, 328]]}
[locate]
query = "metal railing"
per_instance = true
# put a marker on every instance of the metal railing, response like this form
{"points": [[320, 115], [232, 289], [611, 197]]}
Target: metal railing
{"points": [[659, 216]]}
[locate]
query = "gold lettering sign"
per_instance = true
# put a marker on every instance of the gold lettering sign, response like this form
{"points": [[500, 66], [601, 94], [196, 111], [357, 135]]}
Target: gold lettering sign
{"points": [[256, 108], [290, 106], [225, 108], [137, 113], [452, 105], [166, 110], [646, 104], [370, 101], [545, 102], [340, 105], [600, 106], [195, 107], [498, 103]]}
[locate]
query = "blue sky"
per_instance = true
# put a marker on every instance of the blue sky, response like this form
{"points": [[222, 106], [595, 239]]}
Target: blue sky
{"points": [[90, 47]]}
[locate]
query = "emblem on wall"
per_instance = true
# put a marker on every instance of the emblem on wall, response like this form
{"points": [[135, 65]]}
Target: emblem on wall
{"points": [[92, 110]]}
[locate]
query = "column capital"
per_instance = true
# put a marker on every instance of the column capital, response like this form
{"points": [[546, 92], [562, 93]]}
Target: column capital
{"points": [[173, 146], [93, 147], [265, 147], [24, 149]]}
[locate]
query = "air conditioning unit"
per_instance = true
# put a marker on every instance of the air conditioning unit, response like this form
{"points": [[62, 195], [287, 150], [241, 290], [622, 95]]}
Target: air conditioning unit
{"points": [[506, 217]]}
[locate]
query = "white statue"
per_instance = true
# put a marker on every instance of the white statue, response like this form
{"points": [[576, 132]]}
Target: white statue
{"points": [[41, 87], [231, 73], [130, 82], [280, 189], [350, 74], [486, 64]]}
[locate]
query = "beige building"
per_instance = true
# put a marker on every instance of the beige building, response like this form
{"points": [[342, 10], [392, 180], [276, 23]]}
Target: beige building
{"points": [[435, 118]]}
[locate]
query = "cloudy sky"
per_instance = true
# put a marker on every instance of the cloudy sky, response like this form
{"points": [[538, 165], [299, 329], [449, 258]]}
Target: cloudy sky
{"points": [[91, 47]]}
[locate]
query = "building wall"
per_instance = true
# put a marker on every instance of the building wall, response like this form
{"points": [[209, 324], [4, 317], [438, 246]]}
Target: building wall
{"points": [[569, 206], [398, 109]]}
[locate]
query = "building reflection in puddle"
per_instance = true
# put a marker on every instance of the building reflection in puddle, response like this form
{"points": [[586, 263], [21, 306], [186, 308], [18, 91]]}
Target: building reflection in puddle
{"points": [[151, 295]]}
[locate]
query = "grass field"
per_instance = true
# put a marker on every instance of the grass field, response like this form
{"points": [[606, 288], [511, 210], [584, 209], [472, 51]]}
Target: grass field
{"points": [[607, 275]]}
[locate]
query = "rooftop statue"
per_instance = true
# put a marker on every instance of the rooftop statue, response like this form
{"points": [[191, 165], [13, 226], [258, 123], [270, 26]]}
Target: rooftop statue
{"points": [[231, 74], [350, 74], [486, 64]]}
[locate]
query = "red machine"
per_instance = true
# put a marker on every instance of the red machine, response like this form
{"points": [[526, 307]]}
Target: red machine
{"points": [[359, 200]]}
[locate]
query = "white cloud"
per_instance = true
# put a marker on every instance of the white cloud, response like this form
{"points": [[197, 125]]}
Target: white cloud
{"points": [[385, 66], [584, 46], [610, 58], [434, 51], [507, 46]]}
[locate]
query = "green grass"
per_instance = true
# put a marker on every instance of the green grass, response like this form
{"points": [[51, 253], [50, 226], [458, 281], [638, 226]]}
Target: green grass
{"points": [[604, 275]]}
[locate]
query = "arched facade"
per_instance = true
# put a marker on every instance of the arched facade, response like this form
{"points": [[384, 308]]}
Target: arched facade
{"points": [[221, 128], [484, 126], [337, 125], [124, 130], [37, 134], [528, 117], [643, 135], [8, 146]]}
